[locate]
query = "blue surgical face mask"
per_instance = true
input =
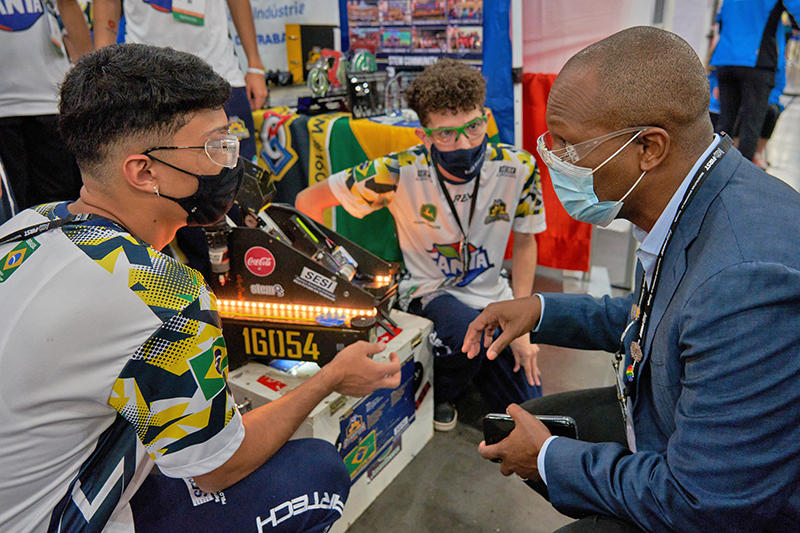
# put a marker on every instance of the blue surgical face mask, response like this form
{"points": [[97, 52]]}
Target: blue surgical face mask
{"points": [[465, 163], [574, 187]]}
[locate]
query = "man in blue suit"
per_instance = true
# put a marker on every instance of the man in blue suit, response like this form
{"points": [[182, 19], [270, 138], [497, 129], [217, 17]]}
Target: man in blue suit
{"points": [[710, 340]]}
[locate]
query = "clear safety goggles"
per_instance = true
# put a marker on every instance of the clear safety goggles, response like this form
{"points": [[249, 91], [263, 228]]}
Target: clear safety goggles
{"points": [[572, 153], [222, 150]]}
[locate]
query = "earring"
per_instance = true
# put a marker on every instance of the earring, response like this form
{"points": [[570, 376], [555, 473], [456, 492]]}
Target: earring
{"points": [[155, 189]]}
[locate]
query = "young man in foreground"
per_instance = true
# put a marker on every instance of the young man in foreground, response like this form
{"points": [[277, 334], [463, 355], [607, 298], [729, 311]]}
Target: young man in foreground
{"points": [[112, 352]]}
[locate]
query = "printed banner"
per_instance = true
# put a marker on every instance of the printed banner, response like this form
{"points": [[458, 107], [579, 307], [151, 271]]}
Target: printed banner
{"points": [[371, 429], [271, 17]]}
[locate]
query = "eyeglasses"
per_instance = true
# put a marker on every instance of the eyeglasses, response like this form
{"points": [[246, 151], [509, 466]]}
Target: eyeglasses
{"points": [[222, 150], [472, 130], [574, 152]]}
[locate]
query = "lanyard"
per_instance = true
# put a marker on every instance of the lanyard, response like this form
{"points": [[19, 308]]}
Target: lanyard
{"points": [[464, 245], [33, 231], [647, 293]]}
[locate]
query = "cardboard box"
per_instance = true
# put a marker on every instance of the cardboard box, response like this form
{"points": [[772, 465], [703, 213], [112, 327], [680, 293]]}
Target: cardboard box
{"points": [[378, 435]]}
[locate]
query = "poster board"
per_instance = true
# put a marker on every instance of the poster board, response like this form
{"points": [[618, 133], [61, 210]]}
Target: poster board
{"points": [[411, 33]]}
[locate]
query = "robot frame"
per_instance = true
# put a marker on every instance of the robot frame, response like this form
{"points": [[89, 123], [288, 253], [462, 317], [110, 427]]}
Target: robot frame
{"points": [[289, 288]]}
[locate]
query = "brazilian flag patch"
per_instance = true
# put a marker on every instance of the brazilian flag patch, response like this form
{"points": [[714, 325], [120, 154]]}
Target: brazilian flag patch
{"points": [[361, 455], [14, 259], [210, 369]]}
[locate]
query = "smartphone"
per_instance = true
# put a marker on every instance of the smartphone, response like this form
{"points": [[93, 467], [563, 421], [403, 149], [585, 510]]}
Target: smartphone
{"points": [[496, 427]]}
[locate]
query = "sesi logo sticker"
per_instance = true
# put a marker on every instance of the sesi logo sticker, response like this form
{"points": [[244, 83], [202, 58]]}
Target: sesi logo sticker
{"points": [[259, 261], [271, 383]]}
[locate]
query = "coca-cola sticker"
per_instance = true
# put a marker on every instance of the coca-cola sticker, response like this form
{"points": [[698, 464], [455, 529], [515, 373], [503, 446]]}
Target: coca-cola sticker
{"points": [[259, 261]]}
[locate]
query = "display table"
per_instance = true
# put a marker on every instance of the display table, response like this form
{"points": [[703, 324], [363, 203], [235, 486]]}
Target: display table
{"points": [[377, 436]]}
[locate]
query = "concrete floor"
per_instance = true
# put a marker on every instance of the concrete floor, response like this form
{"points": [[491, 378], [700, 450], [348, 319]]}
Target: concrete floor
{"points": [[448, 486]]}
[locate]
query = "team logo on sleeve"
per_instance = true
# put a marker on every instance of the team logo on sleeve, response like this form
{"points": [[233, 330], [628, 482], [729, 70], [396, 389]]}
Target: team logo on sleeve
{"points": [[448, 261], [497, 211]]}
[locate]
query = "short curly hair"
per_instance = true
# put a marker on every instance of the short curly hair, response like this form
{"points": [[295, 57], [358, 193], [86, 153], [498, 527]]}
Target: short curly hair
{"points": [[447, 85]]}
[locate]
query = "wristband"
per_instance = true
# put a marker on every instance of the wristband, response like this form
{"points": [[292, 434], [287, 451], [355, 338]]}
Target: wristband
{"points": [[252, 70]]}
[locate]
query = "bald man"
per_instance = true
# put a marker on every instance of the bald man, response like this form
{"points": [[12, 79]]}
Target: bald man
{"points": [[706, 435]]}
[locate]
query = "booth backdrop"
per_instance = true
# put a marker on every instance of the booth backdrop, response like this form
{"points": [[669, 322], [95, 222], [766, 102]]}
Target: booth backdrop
{"points": [[302, 150]]}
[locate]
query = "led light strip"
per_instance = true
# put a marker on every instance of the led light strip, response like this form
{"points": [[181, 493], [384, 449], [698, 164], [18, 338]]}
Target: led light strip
{"points": [[288, 311]]}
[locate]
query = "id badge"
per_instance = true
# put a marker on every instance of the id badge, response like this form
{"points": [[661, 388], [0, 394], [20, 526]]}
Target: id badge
{"points": [[465, 257], [189, 11], [54, 28]]}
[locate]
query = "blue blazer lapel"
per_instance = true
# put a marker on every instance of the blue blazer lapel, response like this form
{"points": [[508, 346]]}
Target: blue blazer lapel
{"points": [[674, 264]]}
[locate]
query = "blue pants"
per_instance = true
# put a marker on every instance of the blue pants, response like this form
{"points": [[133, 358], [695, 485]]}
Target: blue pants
{"points": [[302, 487], [239, 106], [452, 370]]}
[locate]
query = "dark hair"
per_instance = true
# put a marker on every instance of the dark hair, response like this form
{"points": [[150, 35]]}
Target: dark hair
{"points": [[447, 85], [125, 91]]}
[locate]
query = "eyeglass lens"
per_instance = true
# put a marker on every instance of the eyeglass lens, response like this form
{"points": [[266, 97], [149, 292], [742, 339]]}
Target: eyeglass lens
{"points": [[473, 130], [223, 151]]}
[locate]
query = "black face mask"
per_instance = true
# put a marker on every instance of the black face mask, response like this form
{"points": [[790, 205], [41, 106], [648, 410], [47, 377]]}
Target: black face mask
{"points": [[214, 196], [465, 163]]}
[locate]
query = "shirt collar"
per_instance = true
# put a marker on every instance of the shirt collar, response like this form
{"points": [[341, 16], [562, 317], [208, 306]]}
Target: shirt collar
{"points": [[651, 243]]}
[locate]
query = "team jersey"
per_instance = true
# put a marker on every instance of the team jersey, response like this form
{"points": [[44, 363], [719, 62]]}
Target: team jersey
{"points": [[112, 359], [509, 197], [151, 22], [31, 65]]}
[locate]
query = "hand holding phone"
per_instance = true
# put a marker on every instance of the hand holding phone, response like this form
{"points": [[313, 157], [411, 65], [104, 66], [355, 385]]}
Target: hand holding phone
{"points": [[497, 427]]}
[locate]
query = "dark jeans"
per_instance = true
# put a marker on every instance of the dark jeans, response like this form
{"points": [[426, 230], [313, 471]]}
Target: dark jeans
{"points": [[296, 490], [496, 380], [239, 106], [598, 416], [39, 166], [744, 92], [770, 121]]}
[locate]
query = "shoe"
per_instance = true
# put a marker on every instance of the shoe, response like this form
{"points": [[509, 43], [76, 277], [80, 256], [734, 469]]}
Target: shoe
{"points": [[445, 416]]}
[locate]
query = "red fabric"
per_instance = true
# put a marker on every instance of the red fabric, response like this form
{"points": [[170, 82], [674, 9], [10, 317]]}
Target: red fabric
{"points": [[566, 243]]}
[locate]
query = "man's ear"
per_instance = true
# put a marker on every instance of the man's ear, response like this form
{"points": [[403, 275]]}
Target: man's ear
{"points": [[655, 147], [420, 133], [140, 173]]}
